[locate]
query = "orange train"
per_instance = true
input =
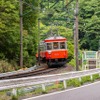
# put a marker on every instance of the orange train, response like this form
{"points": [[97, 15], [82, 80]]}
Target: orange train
{"points": [[53, 51]]}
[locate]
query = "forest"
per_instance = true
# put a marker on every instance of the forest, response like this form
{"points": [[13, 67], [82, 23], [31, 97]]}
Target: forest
{"points": [[54, 15]]}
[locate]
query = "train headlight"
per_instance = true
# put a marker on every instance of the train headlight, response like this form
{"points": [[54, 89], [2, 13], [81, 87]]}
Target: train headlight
{"points": [[49, 52]]}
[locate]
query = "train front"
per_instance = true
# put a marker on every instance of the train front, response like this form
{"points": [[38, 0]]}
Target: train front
{"points": [[56, 53]]}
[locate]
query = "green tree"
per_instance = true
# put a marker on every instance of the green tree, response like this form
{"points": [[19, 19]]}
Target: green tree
{"points": [[10, 34], [30, 20], [89, 32], [9, 30]]}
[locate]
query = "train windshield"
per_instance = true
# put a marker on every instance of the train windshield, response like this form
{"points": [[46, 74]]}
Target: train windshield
{"points": [[49, 46], [55, 45], [62, 45]]}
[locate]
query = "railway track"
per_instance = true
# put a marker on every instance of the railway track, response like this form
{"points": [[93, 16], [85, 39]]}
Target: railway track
{"points": [[42, 70], [29, 73]]}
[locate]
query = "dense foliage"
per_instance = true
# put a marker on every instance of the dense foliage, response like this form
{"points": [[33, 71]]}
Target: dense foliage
{"points": [[30, 20], [89, 19], [10, 31], [89, 32]]}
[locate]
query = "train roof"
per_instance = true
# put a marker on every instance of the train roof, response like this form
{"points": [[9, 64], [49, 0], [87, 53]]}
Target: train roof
{"points": [[55, 38]]}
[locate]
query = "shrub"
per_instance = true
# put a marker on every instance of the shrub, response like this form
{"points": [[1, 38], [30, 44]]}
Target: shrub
{"points": [[72, 62], [5, 66], [96, 76], [14, 98], [70, 51], [85, 79]]}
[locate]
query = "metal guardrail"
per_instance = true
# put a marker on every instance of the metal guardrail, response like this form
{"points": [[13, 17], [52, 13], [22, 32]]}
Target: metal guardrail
{"points": [[29, 81]]}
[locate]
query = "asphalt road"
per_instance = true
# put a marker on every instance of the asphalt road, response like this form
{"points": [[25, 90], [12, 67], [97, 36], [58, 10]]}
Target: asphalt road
{"points": [[87, 92]]}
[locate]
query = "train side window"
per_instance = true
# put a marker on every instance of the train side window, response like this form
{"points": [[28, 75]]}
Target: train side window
{"points": [[62, 45], [49, 46], [55, 45]]}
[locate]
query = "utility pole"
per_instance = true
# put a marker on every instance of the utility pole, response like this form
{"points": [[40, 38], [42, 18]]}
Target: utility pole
{"points": [[76, 36], [21, 33], [39, 41]]}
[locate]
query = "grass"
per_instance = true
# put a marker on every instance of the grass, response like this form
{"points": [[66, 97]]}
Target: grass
{"points": [[85, 79], [55, 87], [73, 82], [3, 95]]}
